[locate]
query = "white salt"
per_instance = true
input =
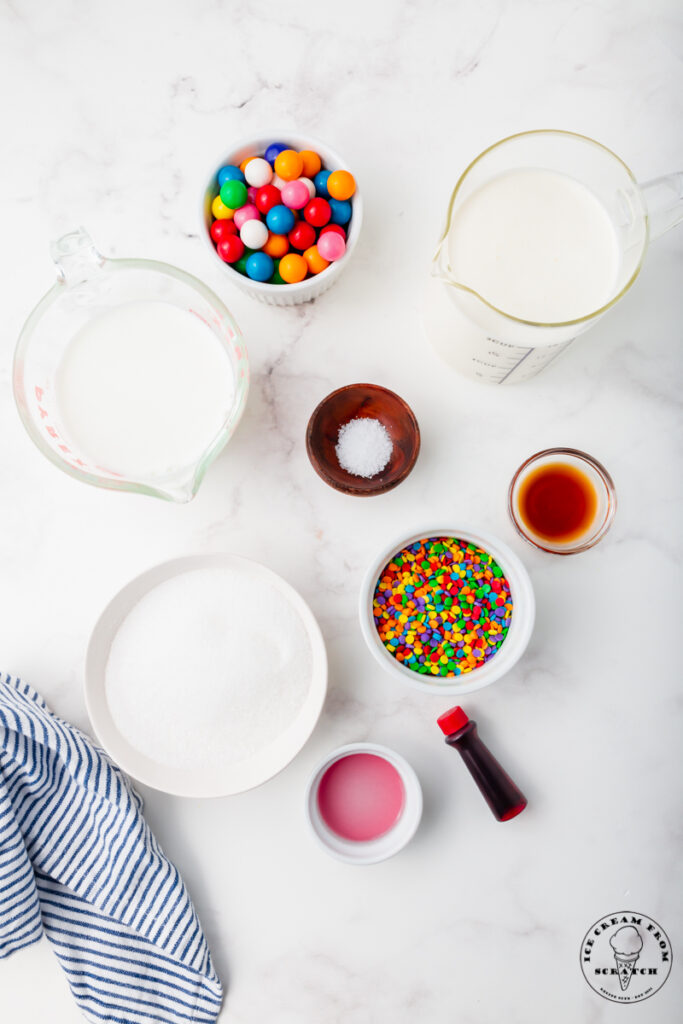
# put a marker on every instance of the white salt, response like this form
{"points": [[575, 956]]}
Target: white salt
{"points": [[208, 669], [363, 447]]}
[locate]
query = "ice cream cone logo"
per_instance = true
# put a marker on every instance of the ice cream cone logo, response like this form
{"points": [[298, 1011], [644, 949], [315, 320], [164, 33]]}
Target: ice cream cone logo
{"points": [[627, 944], [626, 957]]}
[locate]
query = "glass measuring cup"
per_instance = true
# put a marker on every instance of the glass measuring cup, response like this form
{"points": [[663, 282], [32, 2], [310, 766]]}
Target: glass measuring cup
{"points": [[87, 285], [490, 345]]}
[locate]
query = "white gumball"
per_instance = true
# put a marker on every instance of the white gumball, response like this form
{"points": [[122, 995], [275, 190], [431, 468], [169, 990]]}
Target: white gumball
{"points": [[254, 234], [310, 186], [258, 172]]}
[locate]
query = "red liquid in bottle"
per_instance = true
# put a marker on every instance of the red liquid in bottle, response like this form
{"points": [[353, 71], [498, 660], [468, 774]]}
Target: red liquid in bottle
{"points": [[504, 798], [557, 502]]}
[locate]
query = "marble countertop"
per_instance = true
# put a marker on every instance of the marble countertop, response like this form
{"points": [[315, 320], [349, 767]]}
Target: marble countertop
{"points": [[114, 115]]}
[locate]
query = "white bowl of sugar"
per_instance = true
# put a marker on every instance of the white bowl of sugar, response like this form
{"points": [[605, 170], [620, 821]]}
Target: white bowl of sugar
{"points": [[205, 675]]}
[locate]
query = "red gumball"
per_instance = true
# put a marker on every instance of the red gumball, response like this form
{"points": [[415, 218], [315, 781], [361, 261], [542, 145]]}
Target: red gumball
{"points": [[337, 228], [266, 198], [317, 212], [231, 248], [220, 229], [302, 236]]}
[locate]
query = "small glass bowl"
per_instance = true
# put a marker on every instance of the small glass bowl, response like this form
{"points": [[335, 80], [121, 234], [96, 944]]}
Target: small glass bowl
{"points": [[604, 488]]}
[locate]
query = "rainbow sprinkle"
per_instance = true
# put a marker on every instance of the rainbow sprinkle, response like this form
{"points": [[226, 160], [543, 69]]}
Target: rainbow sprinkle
{"points": [[442, 606]]}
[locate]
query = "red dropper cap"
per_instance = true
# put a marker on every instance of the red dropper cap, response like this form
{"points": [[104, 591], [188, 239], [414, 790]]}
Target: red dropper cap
{"points": [[451, 721]]}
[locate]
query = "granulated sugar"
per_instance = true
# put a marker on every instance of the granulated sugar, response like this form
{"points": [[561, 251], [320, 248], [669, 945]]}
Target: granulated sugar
{"points": [[208, 669], [363, 447]]}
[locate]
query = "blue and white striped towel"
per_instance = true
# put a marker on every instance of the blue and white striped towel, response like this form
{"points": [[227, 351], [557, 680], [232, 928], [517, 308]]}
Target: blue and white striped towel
{"points": [[78, 861]]}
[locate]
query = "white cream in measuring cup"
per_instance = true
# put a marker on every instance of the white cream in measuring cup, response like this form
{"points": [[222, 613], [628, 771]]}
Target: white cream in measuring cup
{"points": [[545, 231], [129, 374], [144, 388]]}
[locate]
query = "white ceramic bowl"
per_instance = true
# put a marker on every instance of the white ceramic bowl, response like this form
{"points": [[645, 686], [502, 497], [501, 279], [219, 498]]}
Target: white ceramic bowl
{"points": [[312, 287], [510, 650], [373, 850], [235, 778]]}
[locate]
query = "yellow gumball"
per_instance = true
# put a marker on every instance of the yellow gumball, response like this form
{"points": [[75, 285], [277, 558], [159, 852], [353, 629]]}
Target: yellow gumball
{"points": [[220, 210]]}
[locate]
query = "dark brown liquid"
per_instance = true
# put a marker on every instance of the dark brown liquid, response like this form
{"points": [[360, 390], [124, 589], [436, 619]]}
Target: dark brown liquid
{"points": [[557, 502]]}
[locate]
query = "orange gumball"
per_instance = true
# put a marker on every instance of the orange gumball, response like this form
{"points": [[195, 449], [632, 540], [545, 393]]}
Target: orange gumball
{"points": [[341, 185], [293, 267], [276, 246], [288, 165], [314, 260], [312, 163]]}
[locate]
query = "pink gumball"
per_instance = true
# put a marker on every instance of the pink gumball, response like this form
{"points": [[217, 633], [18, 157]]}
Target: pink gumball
{"points": [[295, 195], [331, 246], [245, 213], [251, 193]]}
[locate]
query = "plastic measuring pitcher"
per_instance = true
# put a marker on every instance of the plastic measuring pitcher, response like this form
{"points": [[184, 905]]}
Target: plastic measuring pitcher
{"points": [[89, 285], [487, 343]]}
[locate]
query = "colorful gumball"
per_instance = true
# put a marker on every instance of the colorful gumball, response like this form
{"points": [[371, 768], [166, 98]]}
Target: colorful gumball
{"points": [[254, 234], [259, 267], [233, 194], [252, 192], [288, 165], [302, 236], [220, 210], [309, 185], [245, 213], [267, 197], [317, 212], [295, 195], [334, 227], [230, 249], [314, 260], [220, 229], [293, 268], [320, 182], [273, 150], [311, 161], [276, 246], [245, 162], [241, 263], [340, 185], [258, 172], [278, 182], [229, 173], [331, 246], [277, 277], [341, 211], [280, 220]]}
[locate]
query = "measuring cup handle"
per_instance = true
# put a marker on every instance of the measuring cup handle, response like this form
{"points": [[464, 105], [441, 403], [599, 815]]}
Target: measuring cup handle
{"points": [[664, 200], [75, 257]]}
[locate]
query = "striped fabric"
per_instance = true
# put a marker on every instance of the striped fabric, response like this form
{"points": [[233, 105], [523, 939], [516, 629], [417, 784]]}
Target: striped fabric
{"points": [[78, 861]]}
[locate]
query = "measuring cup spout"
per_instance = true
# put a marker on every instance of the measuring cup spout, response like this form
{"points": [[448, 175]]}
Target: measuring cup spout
{"points": [[75, 257], [664, 200]]}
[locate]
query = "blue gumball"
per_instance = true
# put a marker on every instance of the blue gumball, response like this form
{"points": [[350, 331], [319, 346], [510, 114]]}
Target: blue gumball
{"points": [[320, 182], [229, 173], [280, 220], [274, 149], [259, 267], [341, 211]]}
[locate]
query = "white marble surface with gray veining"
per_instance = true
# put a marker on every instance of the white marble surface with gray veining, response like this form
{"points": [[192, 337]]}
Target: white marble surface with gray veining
{"points": [[112, 116]]}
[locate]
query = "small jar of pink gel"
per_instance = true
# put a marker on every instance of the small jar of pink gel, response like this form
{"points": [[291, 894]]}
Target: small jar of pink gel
{"points": [[364, 803]]}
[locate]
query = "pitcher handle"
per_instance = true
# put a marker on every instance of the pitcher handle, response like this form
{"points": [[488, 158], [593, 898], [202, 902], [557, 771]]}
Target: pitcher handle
{"points": [[664, 201]]}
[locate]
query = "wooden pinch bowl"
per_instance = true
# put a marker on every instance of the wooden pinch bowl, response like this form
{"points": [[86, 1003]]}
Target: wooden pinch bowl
{"points": [[356, 401]]}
